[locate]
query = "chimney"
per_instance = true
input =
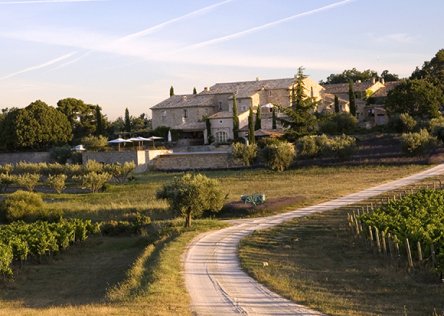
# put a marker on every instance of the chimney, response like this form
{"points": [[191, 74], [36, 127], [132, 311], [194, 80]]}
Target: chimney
{"points": [[373, 80], [257, 78], [382, 80], [184, 97]]}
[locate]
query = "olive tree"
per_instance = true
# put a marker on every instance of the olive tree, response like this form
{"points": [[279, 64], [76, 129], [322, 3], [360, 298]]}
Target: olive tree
{"points": [[192, 194]]}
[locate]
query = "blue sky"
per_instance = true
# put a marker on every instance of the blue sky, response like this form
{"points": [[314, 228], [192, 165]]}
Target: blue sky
{"points": [[127, 53]]}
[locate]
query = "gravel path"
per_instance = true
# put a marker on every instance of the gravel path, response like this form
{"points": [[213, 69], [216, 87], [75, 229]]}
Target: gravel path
{"points": [[213, 276]]}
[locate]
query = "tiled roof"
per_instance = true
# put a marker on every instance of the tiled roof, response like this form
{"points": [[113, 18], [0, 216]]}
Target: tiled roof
{"points": [[388, 86], [244, 89], [191, 126], [187, 100], [342, 88], [221, 115]]}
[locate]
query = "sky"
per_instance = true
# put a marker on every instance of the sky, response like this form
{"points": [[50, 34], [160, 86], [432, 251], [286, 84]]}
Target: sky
{"points": [[127, 53]]}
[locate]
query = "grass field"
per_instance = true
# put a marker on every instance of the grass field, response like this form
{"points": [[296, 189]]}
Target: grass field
{"points": [[316, 262], [130, 275]]}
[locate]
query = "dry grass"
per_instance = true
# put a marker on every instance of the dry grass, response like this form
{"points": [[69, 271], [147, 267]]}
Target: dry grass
{"points": [[315, 261]]}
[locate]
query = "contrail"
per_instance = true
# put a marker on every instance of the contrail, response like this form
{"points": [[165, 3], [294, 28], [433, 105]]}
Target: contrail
{"points": [[266, 26], [40, 66], [157, 27], [69, 62], [48, 1]]}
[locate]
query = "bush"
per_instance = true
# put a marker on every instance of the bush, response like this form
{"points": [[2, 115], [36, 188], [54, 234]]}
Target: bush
{"points": [[57, 182], [95, 142], [29, 167], [243, 152], [279, 156], [436, 127], [342, 146], [26, 206], [6, 168], [338, 123], [61, 154], [407, 122], [307, 147], [6, 180], [28, 180], [95, 181], [93, 166], [193, 194], [120, 172], [420, 143]]}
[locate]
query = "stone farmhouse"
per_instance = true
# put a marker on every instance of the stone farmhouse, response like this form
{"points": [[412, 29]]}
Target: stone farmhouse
{"points": [[196, 116]]}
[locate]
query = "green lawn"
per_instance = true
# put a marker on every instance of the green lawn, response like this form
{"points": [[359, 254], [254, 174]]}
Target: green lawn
{"points": [[132, 275]]}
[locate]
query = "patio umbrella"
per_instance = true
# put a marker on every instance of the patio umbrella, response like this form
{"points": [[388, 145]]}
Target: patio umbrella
{"points": [[154, 138], [119, 141], [139, 139]]}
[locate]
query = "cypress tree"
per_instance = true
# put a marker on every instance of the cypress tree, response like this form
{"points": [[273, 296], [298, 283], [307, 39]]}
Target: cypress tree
{"points": [[336, 104], [208, 126], [127, 121], [171, 91], [351, 98], [273, 119], [251, 139], [258, 123], [194, 90], [235, 119], [99, 122]]}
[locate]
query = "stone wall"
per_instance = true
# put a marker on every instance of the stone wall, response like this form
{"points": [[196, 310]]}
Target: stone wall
{"points": [[193, 161], [25, 156]]}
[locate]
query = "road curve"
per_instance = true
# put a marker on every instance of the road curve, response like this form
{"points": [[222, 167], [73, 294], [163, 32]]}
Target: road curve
{"points": [[213, 276]]}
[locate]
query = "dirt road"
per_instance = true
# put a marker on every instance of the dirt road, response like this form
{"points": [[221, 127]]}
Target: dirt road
{"points": [[213, 276]]}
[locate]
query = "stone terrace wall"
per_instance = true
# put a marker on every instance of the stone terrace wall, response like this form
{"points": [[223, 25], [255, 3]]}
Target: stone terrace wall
{"points": [[25, 156], [193, 161]]}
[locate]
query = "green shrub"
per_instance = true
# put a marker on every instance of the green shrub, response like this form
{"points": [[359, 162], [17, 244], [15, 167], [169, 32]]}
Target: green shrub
{"points": [[120, 172], [419, 143], [244, 153], [6, 180], [95, 181], [193, 194], [407, 122], [54, 168], [95, 142], [61, 154], [57, 182], [436, 127], [28, 180], [29, 167], [93, 166], [307, 147], [338, 123], [342, 146], [6, 168], [6, 257], [26, 206], [279, 156]]}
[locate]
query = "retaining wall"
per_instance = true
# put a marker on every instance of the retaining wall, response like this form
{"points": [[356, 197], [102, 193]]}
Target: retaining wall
{"points": [[194, 161], [25, 156]]}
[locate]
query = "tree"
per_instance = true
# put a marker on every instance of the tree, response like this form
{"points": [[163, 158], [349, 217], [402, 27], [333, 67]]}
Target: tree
{"points": [[351, 98], [38, 126], [194, 90], [171, 91], [387, 76], [418, 98], [432, 71], [273, 119], [279, 155], [100, 129], [235, 118], [351, 74], [251, 138], [336, 104], [192, 194], [258, 123], [299, 118], [81, 116], [127, 121]]}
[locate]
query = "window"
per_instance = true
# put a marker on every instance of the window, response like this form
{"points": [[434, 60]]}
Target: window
{"points": [[269, 93], [185, 113], [164, 114], [221, 137], [220, 105]]}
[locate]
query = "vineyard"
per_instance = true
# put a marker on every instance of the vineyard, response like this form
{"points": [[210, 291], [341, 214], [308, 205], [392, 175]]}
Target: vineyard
{"points": [[20, 241], [412, 225]]}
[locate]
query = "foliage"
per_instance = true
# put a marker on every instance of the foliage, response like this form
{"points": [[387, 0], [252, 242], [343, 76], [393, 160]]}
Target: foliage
{"points": [[341, 147], [95, 181], [94, 142], [194, 90], [57, 182], [235, 119], [81, 116], [22, 205], [251, 137], [93, 166], [6, 168], [299, 118], [120, 172], [432, 71], [258, 121], [387, 76], [36, 126], [28, 180], [419, 143], [408, 123], [308, 147], [245, 153], [351, 74], [61, 154], [338, 123], [418, 98], [273, 119], [100, 122], [171, 91], [192, 194], [127, 121], [417, 217], [19, 241], [337, 110], [279, 156], [6, 180], [208, 127], [436, 127], [351, 98]]}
